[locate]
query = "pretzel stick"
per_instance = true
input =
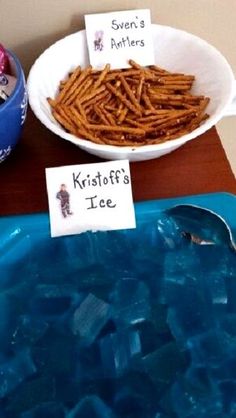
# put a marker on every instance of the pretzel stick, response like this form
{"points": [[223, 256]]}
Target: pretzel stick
{"points": [[63, 83], [129, 72], [120, 108], [164, 124], [159, 114], [177, 78], [101, 115], [175, 133], [92, 94], [69, 83], [135, 65], [63, 120], [103, 96], [160, 70], [124, 143], [87, 135], [81, 109], [79, 121], [81, 126], [172, 112], [178, 87], [122, 98], [77, 86], [134, 131], [193, 124], [140, 88], [52, 103], [188, 98], [130, 94], [166, 101], [137, 124], [108, 115], [84, 88], [147, 100], [155, 103], [102, 76], [122, 115], [204, 103]]}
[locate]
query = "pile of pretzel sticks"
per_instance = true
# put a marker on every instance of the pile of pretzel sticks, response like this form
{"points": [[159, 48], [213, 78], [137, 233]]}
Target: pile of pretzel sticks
{"points": [[129, 107]]}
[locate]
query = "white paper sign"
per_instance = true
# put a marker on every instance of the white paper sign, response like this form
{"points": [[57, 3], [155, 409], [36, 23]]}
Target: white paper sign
{"points": [[90, 197], [116, 37]]}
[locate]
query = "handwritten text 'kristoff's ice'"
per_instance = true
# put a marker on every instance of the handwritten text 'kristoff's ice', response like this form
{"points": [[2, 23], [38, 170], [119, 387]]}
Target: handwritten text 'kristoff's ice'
{"points": [[99, 180]]}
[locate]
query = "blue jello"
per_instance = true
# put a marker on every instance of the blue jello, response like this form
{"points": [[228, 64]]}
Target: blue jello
{"points": [[131, 302], [122, 324], [47, 410], [118, 351], [15, 371], [89, 318], [91, 406]]}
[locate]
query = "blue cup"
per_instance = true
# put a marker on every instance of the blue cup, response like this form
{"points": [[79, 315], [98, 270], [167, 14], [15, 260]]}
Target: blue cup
{"points": [[13, 110]]}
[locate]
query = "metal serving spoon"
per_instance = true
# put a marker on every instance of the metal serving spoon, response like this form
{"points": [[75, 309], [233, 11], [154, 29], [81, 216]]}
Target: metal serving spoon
{"points": [[201, 225]]}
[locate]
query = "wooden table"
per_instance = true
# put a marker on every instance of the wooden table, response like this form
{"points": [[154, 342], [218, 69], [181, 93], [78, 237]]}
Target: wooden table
{"points": [[198, 167]]}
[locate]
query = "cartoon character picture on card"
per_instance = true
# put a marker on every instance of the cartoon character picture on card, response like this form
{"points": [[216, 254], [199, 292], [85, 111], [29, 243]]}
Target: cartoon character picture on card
{"points": [[98, 40], [64, 199]]}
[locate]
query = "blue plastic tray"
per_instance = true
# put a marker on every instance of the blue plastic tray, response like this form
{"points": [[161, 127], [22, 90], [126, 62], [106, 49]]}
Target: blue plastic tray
{"points": [[20, 234], [28, 255], [36, 226]]}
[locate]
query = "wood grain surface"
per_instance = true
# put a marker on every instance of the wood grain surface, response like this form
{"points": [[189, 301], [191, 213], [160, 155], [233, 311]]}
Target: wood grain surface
{"points": [[200, 166]]}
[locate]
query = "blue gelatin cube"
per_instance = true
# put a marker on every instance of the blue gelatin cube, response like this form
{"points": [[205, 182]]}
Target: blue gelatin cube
{"points": [[118, 350], [228, 323], [200, 378], [2, 413], [91, 407], [31, 393], [150, 340], [54, 353], [5, 318], [182, 263], [15, 371], [230, 274], [216, 286], [228, 390], [157, 236], [131, 302], [52, 300], [54, 290], [211, 348], [169, 233], [28, 330], [81, 251], [164, 364], [95, 278], [89, 318], [88, 363], [45, 410], [128, 403], [159, 317], [184, 325], [224, 370], [135, 396], [190, 310], [189, 401], [182, 276]]}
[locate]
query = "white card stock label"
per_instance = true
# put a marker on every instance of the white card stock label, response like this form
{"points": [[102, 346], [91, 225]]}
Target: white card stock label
{"points": [[90, 197], [117, 37]]}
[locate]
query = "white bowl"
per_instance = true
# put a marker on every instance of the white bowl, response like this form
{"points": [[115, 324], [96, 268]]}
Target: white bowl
{"points": [[175, 50]]}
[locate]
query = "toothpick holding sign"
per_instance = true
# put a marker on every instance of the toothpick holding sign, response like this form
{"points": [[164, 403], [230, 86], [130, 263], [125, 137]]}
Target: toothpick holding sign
{"points": [[86, 197], [117, 37]]}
